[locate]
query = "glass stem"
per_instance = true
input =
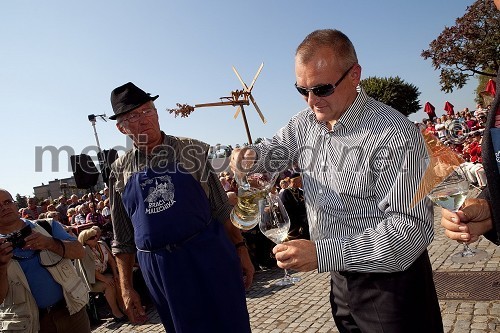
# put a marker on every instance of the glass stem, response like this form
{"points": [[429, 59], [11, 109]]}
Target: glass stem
{"points": [[467, 252]]}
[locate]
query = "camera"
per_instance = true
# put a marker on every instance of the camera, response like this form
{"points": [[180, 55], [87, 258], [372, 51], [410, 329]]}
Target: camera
{"points": [[17, 237]]}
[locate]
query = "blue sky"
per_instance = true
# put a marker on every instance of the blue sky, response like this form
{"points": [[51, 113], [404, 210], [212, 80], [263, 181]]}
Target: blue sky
{"points": [[61, 59]]}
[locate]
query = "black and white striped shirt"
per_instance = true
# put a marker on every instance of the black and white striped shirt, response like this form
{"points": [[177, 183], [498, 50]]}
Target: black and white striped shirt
{"points": [[359, 181]]}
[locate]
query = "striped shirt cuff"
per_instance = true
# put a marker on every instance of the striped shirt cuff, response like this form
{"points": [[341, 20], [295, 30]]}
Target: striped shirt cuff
{"points": [[329, 252], [223, 214]]}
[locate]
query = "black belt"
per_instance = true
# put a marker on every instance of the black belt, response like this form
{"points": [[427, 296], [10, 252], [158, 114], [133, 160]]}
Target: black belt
{"points": [[59, 305], [173, 246]]}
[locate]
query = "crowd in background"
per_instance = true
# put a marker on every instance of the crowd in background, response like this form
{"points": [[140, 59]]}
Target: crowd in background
{"points": [[89, 219], [463, 133]]}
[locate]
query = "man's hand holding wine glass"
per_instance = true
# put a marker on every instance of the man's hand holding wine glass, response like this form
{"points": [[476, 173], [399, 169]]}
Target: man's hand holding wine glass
{"points": [[297, 254], [469, 223]]}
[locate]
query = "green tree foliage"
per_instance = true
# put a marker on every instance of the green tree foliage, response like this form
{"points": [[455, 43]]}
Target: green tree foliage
{"points": [[481, 86], [471, 46], [21, 201], [394, 92]]}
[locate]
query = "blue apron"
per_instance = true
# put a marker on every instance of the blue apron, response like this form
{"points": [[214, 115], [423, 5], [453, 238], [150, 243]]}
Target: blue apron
{"points": [[188, 262]]}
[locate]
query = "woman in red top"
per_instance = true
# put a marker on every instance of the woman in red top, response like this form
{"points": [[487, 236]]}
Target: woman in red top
{"points": [[475, 148]]}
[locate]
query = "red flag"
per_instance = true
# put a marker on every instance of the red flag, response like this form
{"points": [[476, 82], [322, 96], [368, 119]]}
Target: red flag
{"points": [[429, 109], [491, 87], [448, 107], [489, 93]]}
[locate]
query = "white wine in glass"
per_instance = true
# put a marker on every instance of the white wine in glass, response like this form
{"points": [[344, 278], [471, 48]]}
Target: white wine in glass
{"points": [[451, 194], [252, 187], [274, 224]]}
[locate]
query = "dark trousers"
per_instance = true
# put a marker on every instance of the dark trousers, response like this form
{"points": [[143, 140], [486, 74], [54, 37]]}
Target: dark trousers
{"points": [[59, 320], [400, 302]]}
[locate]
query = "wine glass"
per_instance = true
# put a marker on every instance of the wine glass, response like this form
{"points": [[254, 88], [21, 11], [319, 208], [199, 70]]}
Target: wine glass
{"points": [[451, 194], [252, 187], [274, 224]]}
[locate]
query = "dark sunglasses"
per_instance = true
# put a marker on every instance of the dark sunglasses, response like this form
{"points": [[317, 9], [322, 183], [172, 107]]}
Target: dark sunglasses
{"points": [[323, 90], [92, 238]]}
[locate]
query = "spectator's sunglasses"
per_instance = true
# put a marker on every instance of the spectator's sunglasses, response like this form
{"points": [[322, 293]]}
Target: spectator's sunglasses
{"points": [[323, 90]]}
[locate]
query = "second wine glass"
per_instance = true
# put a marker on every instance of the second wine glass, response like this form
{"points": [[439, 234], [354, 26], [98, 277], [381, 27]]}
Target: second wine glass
{"points": [[274, 224], [451, 194]]}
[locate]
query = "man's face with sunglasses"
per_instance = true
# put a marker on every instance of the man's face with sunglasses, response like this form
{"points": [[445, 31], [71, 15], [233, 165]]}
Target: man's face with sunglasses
{"points": [[327, 88]]}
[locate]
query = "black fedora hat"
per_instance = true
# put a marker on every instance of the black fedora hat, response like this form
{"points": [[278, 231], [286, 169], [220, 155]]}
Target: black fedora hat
{"points": [[127, 97]]}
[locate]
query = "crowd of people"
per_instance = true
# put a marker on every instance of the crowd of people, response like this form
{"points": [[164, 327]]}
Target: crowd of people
{"points": [[463, 133], [91, 208]]}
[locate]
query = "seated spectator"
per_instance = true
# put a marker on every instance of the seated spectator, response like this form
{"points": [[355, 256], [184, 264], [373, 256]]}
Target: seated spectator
{"points": [[81, 217], [225, 183], [94, 216], [70, 213], [32, 206], [98, 270], [27, 213], [106, 211], [474, 148], [44, 204], [479, 111], [105, 193], [481, 122], [470, 122], [62, 208], [74, 201], [51, 208], [465, 150], [440, 129], [430, 127]]}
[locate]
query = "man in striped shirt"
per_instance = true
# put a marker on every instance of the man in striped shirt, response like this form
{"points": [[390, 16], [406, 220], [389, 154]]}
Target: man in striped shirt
{"points": [[361, 163]]}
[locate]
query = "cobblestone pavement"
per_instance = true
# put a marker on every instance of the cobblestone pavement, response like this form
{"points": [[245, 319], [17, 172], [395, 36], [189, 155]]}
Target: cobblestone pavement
{"points": [[305, 307]]}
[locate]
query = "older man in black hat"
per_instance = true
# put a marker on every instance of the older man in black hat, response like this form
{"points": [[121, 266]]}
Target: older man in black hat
{"points": [[169, 209]]}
